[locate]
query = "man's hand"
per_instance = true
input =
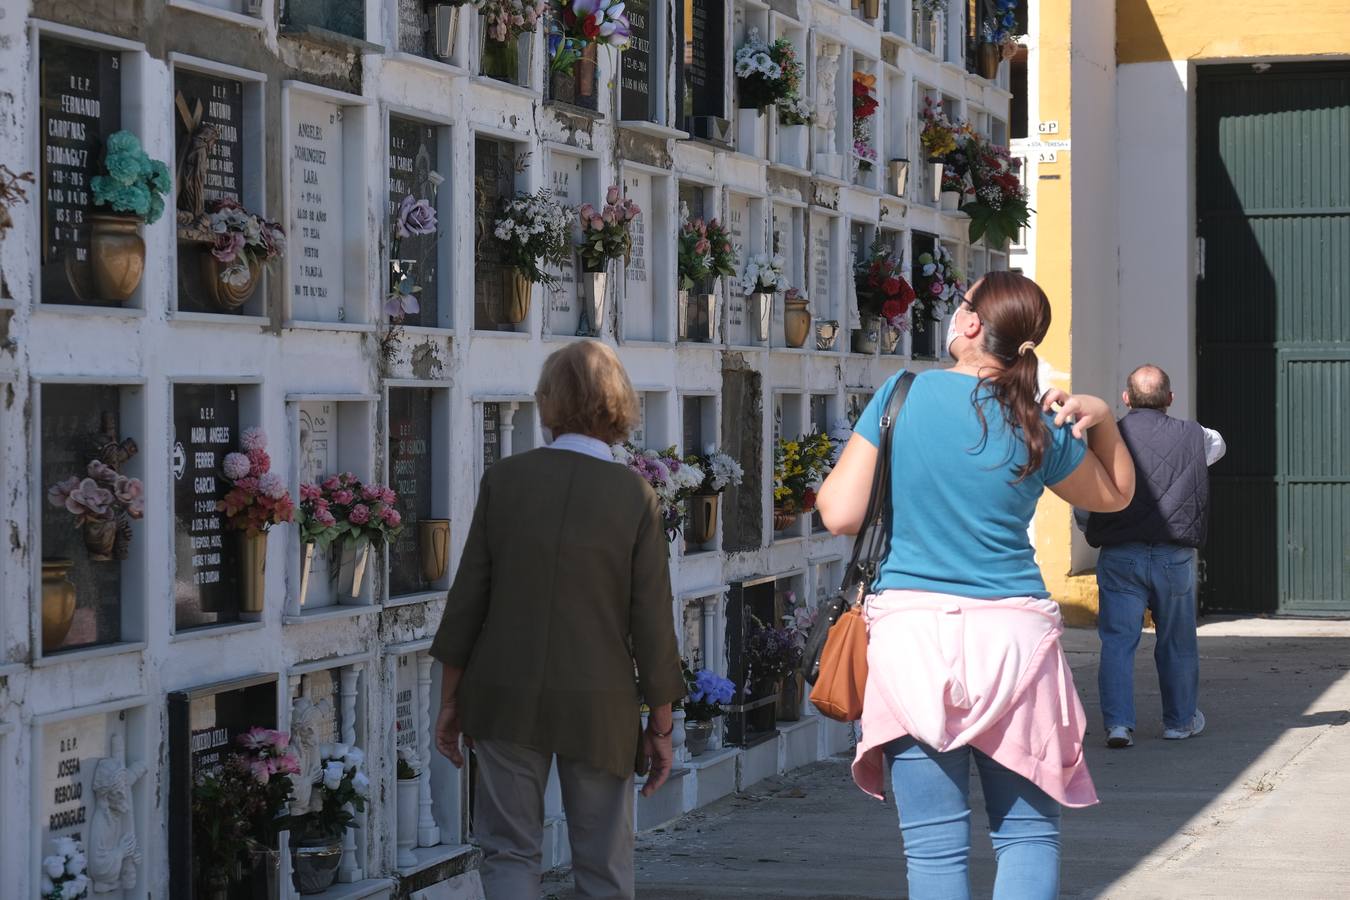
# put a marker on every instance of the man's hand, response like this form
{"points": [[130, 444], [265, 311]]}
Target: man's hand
{"points": [[662, 756], [448, 733], [1084, 410]]}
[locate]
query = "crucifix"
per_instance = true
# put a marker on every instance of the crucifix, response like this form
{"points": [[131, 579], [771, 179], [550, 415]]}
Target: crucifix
{"points": [[193, 160]]}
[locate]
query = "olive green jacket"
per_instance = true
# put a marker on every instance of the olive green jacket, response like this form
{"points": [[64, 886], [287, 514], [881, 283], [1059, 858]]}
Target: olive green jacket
{"points": [[564, 584]]}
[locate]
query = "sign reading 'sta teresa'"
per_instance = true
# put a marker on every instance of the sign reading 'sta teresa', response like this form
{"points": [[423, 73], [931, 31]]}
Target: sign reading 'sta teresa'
{"points": [[314, 151]]}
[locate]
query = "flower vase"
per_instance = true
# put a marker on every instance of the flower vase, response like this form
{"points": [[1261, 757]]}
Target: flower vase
{"points": [[444, 23], [58, 602], [897, 177], [868, 338], [707, 317], [703, 518], [433, 545], [827, 334], [790, 698], [696, 735], [251, 550], [100, 538], [793, 141], [987, 60], [306, 567], [264, 873], [951, 201], [871, 9], [406, 800], [684, 316], [314, 863], [761, 313], [752, 132], [352, 566], [783, 519], [501, 60], [933, 194], [516, 292], [117, 254], [796, 322], [227, 297], [593, 286]]}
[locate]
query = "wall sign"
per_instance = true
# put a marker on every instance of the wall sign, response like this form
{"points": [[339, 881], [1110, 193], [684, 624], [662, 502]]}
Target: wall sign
{"points": [[738, 219], [635, 75], [638, 296], [314, 233], [821, 278], [492, 436], [409, 454], [413, 161], [80, 95], [205, 428], [405, 702]]}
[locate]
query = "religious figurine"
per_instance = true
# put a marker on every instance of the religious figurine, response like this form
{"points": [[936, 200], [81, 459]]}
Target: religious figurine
{"points": [[113, 851], [827, 69], [306, 716], [192, 175]]}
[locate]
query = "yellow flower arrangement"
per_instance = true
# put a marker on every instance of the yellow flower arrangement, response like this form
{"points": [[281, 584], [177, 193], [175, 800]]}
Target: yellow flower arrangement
{"points": [[799, 467]]}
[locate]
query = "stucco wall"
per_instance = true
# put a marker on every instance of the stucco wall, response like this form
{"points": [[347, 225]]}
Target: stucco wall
{"points": [[1155, 30]]}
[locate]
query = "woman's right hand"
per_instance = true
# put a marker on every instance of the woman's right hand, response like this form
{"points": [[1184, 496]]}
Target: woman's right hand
{"points": [[1084, 409]]}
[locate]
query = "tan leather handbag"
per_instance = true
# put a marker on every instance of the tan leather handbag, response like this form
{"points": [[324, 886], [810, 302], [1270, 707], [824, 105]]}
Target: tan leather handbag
{"points": [[836, 650]]}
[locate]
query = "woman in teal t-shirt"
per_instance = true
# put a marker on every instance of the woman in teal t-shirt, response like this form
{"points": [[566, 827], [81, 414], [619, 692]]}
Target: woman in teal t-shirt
{"points": [[972, 452]]}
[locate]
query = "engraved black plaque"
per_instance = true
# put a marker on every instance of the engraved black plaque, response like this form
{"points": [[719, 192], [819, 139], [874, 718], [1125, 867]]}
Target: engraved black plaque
{"points": [[412, 162], [410, 454], [635, 65]]}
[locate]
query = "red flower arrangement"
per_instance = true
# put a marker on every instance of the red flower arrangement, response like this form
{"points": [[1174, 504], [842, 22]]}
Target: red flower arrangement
{"points": [[864, 102], [882, 289], [257, 498]]}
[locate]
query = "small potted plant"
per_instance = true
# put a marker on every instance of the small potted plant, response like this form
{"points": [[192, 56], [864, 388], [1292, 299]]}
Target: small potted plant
{"points": [[64, 874], [704, 252], [766, 74], [103, 503], [406, 801], [605, 236], [340, 791], [242, 243], [796, 317], [762, 278], [257, 500], [503, 24], [673, 480], [799, 468], [708, 693], [884, 299], [132, 187], [720, 471], [794, 131], [534, 231], [938, 137], [953, 188]]}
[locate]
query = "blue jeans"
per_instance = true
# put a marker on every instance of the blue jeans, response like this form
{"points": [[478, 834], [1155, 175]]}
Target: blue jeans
{"points": [[1160, 577], [932, 793]]}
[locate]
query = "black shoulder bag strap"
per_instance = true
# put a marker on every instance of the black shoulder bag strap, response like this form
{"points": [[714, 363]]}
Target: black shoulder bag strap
{"points": [[872, 542]]}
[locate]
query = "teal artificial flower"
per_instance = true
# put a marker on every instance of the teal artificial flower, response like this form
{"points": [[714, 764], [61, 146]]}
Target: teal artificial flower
{"points": [[159, 177]]}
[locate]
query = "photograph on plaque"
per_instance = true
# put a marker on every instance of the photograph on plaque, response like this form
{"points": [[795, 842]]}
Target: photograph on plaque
{"points": [[80, 97], [206, 571], [93, 501], [413, 556], [209, 147], [414, 236], [89, 792], [205, 725]]}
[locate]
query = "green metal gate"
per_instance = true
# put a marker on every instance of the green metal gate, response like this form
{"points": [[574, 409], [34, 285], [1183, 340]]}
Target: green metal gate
{"points": [[1273, 333]]}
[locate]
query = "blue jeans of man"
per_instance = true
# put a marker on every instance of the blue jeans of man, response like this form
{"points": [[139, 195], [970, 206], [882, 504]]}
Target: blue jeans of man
{"points": [[1160, 578], [932, 794]]}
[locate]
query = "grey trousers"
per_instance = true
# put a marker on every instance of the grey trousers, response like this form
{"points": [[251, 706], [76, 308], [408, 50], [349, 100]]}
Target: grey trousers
{"points": [[509, 823]]}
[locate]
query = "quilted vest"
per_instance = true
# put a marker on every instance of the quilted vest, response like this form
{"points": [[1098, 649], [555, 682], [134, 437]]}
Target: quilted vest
{"points": [[1171, 492]]}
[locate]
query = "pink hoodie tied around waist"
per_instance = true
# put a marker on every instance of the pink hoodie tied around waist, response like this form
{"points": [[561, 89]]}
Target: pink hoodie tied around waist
{"points": [[953, 671]]}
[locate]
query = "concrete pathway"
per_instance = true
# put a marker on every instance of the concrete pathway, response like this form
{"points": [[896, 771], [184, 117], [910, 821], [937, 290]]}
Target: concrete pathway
{"points": [[1256, 807]]}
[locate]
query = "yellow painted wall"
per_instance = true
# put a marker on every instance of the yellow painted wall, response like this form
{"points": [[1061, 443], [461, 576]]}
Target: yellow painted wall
{"points": [[1054, 257], [1157, 30]]}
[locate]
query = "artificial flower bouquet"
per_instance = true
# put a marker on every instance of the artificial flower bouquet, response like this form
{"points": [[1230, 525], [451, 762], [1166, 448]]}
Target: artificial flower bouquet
{"points": [[1001, 28], [795, 111], [131, 182], [763, 275], [882, 289], [257, 498], [341, 789], [673, 479], [341, 507], [708, 694], [766, 73], [938, 281], [535, 231], [65, 872], [506, 20], [720, 470], [242, 241], [414, 217], [939, 134], [606, 233], [575, 24], [102, 503], [799, 469], [703, 250], [772, 654], [998, 210]]}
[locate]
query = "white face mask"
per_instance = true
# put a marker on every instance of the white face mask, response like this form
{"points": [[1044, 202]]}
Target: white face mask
{"points": [[952, 335]]}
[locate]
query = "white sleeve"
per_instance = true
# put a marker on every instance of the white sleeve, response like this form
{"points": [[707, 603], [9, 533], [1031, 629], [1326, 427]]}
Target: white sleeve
{"points": [[1215, 448]]}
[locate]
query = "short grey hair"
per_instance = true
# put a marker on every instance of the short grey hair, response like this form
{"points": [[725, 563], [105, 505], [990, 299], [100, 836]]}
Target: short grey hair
{"points": [[1149, 388]]}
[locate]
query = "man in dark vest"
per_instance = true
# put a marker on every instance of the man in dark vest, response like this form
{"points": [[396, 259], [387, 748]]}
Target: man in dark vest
{"points": [[1147, 560]]}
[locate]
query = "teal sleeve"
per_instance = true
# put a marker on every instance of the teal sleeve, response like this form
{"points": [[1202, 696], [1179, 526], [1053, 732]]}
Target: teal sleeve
{"points": [[869, 423], [1063, 454]]}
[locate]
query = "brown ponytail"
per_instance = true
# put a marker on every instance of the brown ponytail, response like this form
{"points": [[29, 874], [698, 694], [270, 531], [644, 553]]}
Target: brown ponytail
{"points": [[1014, 312]]}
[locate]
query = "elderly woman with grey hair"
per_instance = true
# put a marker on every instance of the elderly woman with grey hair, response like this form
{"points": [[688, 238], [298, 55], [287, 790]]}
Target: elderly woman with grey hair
{"points": [[563, 587]]}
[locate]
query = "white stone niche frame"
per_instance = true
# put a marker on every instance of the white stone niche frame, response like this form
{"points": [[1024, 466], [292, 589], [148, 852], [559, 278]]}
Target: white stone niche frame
{"points": [[142, 745], [137, 117], [253, 189], [252, 412], [791, 215], [529, 179], [826, 245], [583, 169], [356, 251], [711, 603], [352, 712], [132, 422], [353, 427], [712, 192], [447, 225], [709, 403], [518, 427], [653, 322], [794, 404], [754, 239], [441, 482]]}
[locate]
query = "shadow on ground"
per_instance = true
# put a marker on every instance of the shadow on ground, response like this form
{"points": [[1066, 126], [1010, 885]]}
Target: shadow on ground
{"points": [[1218, 815]]}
